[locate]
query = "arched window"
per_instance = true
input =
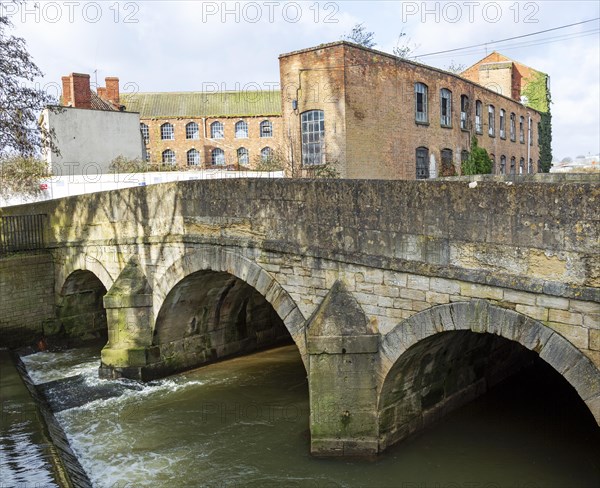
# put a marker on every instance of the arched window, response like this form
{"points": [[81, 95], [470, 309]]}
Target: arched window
{"points": [[478, 124], [266, 128], [502, 124], [193, 157], [513, 165], [313, 137], [241, 130], [521, 129], [422, 163], [242, 155], [218, 157], [464, 112], [191, 131], [503, 164], [522, 166], [266, 154], [530, 167], [145, 133], [167, 133], [491, 121], [447, 168], [168, 157], [445, 107], [513, 122], [494, 169], [216, 130], [421, 103]]}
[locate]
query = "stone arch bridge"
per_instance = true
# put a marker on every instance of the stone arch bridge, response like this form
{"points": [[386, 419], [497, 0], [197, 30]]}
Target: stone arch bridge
{"points": [[405, 299]]}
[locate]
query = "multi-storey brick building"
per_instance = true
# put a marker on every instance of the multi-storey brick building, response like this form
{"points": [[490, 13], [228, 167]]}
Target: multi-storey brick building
{"points": [[200, 129], [361, 112], [373, 115]]}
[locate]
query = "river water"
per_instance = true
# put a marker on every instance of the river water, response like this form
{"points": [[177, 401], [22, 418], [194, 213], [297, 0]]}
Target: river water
{"points": [[244, 423]]}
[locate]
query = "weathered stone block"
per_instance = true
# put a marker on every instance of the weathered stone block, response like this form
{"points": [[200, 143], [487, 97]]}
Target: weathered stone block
{"points": [[521, 297], [481, 291], [565, 317], [538, 313], [553, 302], [577, 335]]}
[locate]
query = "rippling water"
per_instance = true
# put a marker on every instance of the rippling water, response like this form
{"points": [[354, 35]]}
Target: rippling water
{"points": [[25, 459], [244, 422]]}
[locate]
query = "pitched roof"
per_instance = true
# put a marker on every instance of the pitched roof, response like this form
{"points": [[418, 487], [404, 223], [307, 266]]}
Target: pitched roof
{"points": [[100, 104], [203, 104]]}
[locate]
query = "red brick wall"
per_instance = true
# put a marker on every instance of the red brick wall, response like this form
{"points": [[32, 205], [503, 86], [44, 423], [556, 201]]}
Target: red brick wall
{"points": [[80, 90], [372, 127], [230, 144]]}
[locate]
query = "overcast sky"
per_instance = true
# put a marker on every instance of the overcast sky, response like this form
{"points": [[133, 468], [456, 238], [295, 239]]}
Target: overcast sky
{"points": [[188, 45]]}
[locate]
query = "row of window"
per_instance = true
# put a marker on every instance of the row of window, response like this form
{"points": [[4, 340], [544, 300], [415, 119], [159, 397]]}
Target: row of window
{"points": [[422, 161], [422, 114], [217, 130], [217, 156]]}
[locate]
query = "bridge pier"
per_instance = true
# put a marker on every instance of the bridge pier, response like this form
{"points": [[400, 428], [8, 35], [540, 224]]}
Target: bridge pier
{"points": [[342, 352], [129, 314]]}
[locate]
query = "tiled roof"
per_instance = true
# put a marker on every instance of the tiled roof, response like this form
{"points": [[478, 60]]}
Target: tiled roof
{"points": [[99, 104], [203, 104]]}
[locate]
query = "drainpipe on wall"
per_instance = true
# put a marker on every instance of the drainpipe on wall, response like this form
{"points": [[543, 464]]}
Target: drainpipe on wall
{"points": [[528, 140]]}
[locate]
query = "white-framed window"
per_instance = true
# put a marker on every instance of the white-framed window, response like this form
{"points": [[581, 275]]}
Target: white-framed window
{"points": [[513, 165], [502, 123], [145, 133], [464, 112], [421, 103], [167, 133], [192, 131], [513, 121], [217, 130], [445, 107], [491, 121], [521, 129], [266, 128], [241, 130], [313, 137], [243, 156], [168, 157], [478, 123], [266, 154], [422, 157], [193, 157], [522, 166], [218, 157], [503, 164]]}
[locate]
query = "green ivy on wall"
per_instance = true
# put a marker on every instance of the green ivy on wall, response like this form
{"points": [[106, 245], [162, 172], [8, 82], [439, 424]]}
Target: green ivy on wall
{"points": [[537, 92]]}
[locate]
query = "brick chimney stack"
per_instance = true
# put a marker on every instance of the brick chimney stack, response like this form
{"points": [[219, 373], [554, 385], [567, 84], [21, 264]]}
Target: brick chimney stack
{"points": [[112, 89], [81, 95], [102, 93], [67, 99]]}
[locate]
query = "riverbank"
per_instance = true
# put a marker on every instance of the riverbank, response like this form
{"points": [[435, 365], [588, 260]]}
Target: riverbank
{"points": [[33, 445]]}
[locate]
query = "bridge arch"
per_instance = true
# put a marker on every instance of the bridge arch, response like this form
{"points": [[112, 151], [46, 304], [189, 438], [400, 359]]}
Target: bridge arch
{"points": [[411, 350], [219, 264], [84, 262]]}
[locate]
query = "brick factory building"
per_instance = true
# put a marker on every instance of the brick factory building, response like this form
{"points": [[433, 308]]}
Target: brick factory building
{"points": [[361, 112]]}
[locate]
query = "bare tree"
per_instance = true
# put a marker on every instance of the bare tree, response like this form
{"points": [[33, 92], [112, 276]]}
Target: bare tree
{"points": [[360, 35], [456, 68], [404, 46], [20, 101]]}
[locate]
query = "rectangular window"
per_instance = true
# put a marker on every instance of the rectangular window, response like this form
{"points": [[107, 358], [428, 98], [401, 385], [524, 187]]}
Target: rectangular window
{"points": [[478, 124], [445, 108], [512, 127], [421, 103], [491, 121], [464, 110], [502, 124], [313, 137], [521, 130]]}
